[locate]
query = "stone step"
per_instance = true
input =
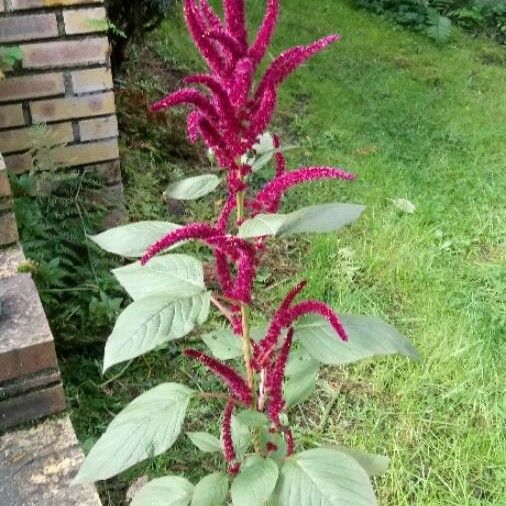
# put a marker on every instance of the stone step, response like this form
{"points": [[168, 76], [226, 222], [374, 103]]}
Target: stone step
{"points": [[30, 383], [37, 466]]}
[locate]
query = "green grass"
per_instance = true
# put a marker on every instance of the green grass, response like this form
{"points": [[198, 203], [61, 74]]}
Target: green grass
{"points": [[414, 120]]}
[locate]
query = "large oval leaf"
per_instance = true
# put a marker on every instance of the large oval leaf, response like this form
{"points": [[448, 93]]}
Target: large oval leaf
{"points": [[147, 427], [224, 344], [315, 219], [323, 477], [211, 491], [193, 187], [205, 442], [256, 482], [134, 239], [146, 324], [168, 491], [374, 465], [369, 336], [171, 275], [301, 374]]}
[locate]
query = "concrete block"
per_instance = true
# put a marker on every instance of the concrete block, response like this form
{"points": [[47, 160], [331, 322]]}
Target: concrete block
{"points": [[38, 465], [26, 342]]}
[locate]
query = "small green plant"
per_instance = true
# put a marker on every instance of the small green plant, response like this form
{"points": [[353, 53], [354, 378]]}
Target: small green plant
{"points": [[280, 359], [55, 214], [9, 57]]}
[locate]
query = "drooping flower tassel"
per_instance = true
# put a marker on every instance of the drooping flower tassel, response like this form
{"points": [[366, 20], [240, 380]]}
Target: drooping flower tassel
{"points": [[267, 199], [235, 382], [227, 441], [275, 381]]}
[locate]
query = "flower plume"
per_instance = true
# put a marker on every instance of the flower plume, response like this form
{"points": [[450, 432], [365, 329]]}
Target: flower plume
{"points": [[236, 383]]}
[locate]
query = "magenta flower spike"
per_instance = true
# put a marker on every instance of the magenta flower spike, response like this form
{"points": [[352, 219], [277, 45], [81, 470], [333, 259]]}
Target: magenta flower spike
{"points": [[188, 96], [268, 199], [235, 19], [314, 306], [193, 231], [259, 47], [243, 81], [197, 26], [226, 433], [235, 382], [279, 157], [275, 381], [212, 19], [289, 61]]}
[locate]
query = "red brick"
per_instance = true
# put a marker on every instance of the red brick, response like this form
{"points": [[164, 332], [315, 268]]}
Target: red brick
{"points": [[18, 28], [21, 139], [11, 116], [99, 128], [33, 4], [87, 81], [17, 164], [84, 154], [66, 53], [72, 107], [19, 88], [84, 20]]}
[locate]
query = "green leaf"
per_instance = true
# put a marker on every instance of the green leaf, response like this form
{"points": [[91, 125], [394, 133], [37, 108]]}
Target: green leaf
{"points": [[265, 437], [171, 275], [134, 239], [241, 436], [205, 442], [211, 491], [193, 187], [314, 219], [324, 477], [440, 29], [374, 465], [255, 483], [369, 336], [404, 205], [301, 374], [224, 344], [147, 427], [168, 491], [252, 418], [146, 324]]}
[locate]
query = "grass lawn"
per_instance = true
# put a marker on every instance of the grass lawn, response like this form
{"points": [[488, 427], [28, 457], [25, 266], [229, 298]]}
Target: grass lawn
{"points": [[415, 121]]}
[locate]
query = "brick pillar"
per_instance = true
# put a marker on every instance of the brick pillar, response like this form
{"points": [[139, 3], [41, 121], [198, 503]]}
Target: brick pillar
{"points": [[65, 82]]}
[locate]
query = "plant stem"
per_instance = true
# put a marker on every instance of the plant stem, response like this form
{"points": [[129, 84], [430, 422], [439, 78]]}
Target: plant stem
{"points": [[246, 336]]}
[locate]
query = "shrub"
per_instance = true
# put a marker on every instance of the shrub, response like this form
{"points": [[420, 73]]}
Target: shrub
{"points": [[280, 359], [130, 21], [435, 17]]}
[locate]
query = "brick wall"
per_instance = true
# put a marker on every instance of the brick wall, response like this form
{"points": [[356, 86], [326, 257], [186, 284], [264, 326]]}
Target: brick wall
{"points": [[64, 81]]}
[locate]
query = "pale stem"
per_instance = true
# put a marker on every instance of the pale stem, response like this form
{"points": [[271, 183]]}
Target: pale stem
{"points": [[223, 310]]}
